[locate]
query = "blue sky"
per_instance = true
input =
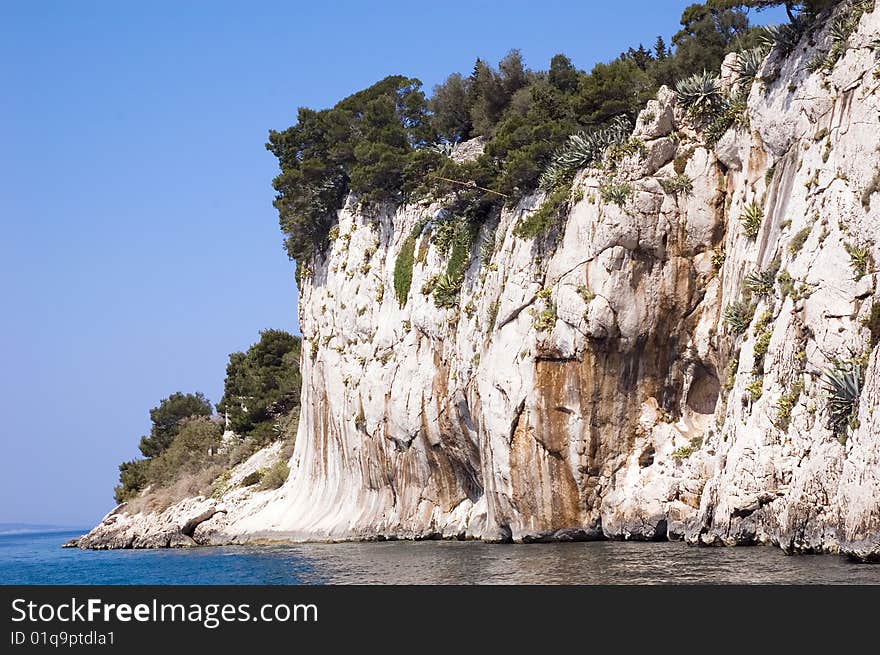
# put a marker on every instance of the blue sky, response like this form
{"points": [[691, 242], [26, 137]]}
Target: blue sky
{"points": [[139, 243]]}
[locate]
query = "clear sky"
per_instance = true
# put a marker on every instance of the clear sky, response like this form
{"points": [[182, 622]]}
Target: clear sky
{"points": [[139, 243]]}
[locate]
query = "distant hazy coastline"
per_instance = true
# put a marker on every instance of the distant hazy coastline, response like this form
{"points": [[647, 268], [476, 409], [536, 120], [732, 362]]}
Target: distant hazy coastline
{"points": [[33, 528]]}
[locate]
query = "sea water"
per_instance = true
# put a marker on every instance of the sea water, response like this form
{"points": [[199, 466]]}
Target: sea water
{"points": [[37, 558]]}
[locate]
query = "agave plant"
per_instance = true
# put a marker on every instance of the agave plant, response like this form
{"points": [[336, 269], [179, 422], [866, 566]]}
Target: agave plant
{"points": [[760, 282], [738, 110], [555, 175], [446, 290], [859, 259], [444, 234], [738, 315], [615, 192], [843, 384], [678, 185], [751, 220], [584, 149], [700, 94], [784, 36], [728, 115], [617, 130], [841, 28], [581, 150], [748, 62], [817, 62]]}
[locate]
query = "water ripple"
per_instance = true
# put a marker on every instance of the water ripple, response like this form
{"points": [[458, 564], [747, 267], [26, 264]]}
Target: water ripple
{"points": [[38, 559]]}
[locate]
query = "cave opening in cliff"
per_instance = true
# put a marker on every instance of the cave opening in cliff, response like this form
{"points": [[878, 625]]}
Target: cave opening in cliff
{"points": [[702, 396]]}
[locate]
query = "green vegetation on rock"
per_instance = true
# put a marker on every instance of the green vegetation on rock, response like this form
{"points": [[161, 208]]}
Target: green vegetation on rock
{"points": [[166, 419], [403, 269], [184, 455], [751, 219], [389, 143], [275, 475], [738, 315], [786, 404], [842, 383], [261, 384]]}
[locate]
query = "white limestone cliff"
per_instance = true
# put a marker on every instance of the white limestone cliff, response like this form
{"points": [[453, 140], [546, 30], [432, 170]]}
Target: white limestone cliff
{"points": [[634, 412]]}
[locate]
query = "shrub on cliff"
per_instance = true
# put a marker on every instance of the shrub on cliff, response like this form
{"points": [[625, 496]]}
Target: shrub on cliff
{"points": [[842, 383], [167, 418], [403, 269], [184, 454], [546, 217], [194, 449], [707, 34], [252, 478], [262, 384], [275, 475], [132, 479]]}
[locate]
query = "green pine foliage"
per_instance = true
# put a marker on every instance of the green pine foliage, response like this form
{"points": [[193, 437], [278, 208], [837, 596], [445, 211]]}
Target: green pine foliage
{"points": [[262, 384], [166, 419], [360, 145], [132, 479], [389, 144]]}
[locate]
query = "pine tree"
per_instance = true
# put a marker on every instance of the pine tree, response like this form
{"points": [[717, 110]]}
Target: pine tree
{"points": [[661, 52]]}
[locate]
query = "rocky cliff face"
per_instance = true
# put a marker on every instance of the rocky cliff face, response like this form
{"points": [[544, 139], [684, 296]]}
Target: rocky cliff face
{"points": [[589, 386]]}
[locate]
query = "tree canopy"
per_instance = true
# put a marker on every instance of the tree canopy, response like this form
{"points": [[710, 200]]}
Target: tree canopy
{"points": [[792, 7], [359, 145], [386, 144], [262, 383], [166, 419]]}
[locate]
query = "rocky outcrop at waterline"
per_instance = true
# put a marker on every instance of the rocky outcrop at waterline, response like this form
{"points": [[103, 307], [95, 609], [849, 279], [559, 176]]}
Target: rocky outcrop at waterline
{"points": [[615, 381]]}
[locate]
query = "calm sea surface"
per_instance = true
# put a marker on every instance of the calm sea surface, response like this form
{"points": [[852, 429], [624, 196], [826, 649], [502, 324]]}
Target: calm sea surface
{"points": [[37, 558]]}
